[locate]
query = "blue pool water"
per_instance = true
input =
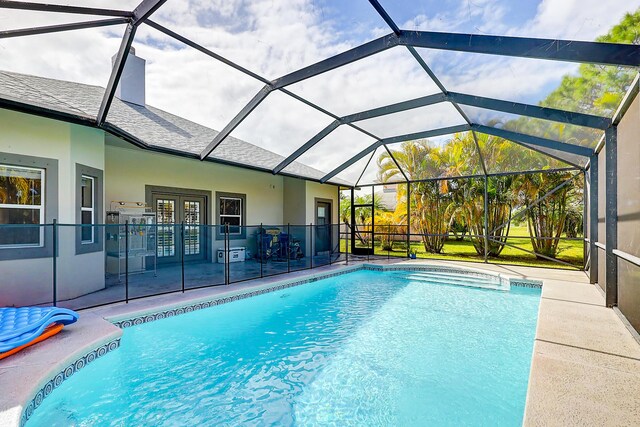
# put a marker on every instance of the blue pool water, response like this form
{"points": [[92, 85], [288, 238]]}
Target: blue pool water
{"points": [[365, 348]]}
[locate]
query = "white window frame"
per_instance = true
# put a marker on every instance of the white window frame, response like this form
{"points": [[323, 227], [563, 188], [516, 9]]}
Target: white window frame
{"points": [[92, 209], [222, 198], [40, 207]]}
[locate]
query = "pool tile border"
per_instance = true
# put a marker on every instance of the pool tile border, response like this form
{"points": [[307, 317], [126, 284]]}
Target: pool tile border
{"points": [[526, 283], [150, 317], [80, 363], [61, 376]]}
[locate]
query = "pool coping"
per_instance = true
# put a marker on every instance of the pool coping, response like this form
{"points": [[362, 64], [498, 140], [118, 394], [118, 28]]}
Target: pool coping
{"points": [[51, 378]]}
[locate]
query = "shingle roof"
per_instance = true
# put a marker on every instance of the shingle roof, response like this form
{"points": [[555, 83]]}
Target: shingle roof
{"points": [[151, 126]]}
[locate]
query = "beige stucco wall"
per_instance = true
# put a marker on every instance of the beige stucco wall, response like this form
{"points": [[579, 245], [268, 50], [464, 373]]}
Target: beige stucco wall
{"points": [[294, 201], [30, 280], [270, 199], [129, 170], [321, 191]]}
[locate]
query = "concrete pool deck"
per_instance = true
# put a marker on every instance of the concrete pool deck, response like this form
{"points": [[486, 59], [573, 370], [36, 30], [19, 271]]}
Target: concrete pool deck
{"points": [[585, 367]]}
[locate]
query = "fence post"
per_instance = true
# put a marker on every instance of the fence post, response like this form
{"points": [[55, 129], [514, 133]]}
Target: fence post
{"points": [[408, 219], [55, 262], [347, 246], [226, 254], [389, 242], [311, 243], [182, 254], [352, 241], [330, 228], [288, 248], [486, 219], [261, 248], [373, 221], [126, 261], [584, 220]]}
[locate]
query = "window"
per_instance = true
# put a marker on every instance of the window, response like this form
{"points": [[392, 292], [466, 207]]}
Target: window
{"points": [[22, 202], [89, 232], [231, 210], [87, 208], [166, 214], [231, 213]]}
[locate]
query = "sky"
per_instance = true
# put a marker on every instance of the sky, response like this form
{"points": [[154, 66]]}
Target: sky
{"points": [[275, 37]]}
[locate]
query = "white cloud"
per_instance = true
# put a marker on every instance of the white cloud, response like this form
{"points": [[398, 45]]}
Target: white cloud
{"points": [[575, 19]]}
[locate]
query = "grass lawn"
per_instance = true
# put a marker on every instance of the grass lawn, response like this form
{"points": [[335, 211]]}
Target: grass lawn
{"points": [[569, 251]]}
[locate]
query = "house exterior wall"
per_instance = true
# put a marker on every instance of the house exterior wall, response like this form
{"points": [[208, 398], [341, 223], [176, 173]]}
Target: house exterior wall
{"points": [[129, 170], [327, 192], [294, 201], [315, 191], [127, 173], [28, 280]]}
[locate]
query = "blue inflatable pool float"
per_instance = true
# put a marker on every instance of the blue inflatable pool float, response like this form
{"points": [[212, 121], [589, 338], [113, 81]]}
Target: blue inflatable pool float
{"points": [[19, 326]]}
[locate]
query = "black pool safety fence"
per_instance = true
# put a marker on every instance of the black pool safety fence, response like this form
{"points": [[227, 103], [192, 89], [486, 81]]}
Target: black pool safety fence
{"points": [[84, 266]]}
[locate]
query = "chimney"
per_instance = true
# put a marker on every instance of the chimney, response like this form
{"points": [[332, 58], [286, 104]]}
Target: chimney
{"points": [[131, 85]]}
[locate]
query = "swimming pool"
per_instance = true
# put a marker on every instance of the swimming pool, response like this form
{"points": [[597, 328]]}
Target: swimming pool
{"points": [[363, 348]]}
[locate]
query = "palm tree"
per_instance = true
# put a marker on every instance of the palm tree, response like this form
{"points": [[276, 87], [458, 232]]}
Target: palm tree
{"points": [[429, 199], [547, 218]]}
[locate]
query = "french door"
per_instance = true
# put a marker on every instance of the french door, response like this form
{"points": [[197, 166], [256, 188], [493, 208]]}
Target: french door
{"points": [[171, 211]]}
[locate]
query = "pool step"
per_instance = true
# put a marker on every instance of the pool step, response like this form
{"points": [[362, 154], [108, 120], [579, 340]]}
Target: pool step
{"points": [[454, 279], [456, 276], [453, 275]]}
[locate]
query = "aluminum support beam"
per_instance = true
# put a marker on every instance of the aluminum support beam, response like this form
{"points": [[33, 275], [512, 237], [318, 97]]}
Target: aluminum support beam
{"points": [[353, 220], [585, 216], [480, 156], [246, 110], [396, 163], [536, 202], [363, 115], [355, 54], [307, 146], [385, 16], [479, 176], [486, 218], [545, 113], [145, 9], [426, 134], [41, 7], [393, 140], [246, 71], [408, 218], [204, 50], [455, 98], [524, 47], [116, 72], [61, 27], [365, 168], [611, 217], [534, 140], [360, 52], [395, 108]]}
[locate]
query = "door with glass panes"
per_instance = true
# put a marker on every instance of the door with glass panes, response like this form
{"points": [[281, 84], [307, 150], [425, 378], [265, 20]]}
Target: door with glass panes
{"points": [[171, 211]]}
